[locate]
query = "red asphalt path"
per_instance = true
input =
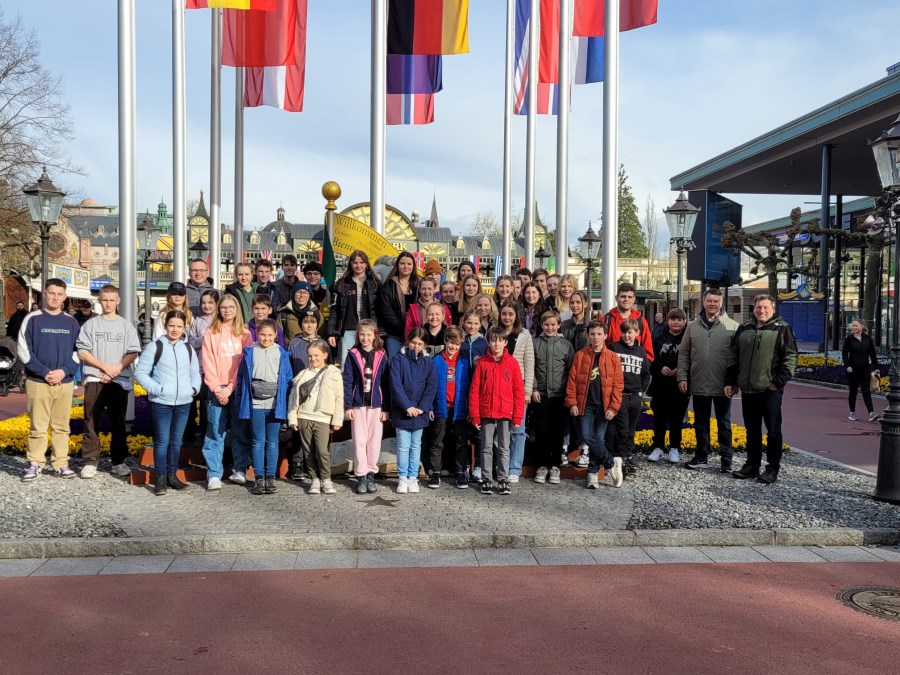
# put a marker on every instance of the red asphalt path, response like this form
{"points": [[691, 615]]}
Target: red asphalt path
{"points": [[660, 619]]}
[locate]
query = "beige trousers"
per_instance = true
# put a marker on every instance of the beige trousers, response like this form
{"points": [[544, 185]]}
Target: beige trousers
{"points": [[49, 406]]}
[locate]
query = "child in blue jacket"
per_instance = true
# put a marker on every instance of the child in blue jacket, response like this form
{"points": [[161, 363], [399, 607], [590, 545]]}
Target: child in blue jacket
{"points": [[263, 386], [451, 410], [413, 386], [473, 347]]}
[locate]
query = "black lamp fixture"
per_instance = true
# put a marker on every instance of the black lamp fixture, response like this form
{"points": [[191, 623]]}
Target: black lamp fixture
{"points": [[148, 238], [542, 255], [45, 202], [681, 218], [590, 240]]}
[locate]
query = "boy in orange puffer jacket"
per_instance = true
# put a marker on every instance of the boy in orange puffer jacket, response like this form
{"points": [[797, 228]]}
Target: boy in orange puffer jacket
{"points": [[496, 399]]}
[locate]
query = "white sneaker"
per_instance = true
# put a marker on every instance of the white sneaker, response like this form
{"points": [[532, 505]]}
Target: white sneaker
{"points": [[412, 485], [88, 471], [315, 487], [583, 460], [593, 483], [541, 475], [327, 487], [564, 458], [656, 455], [32, 473], [120, 470], [238, 477], [615, 473], [513, 478], [873, 416], [476, 475], [214, 483], [401, 487], [553, 478], [674, 456], [852, 417]]}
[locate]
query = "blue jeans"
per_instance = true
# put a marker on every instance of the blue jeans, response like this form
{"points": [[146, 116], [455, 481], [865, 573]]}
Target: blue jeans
{"points": [[703, 406], [393, 346], [517, 438], [265, 442], [409, 452], [169, 422], [593, 432], [348, 339], [221, 418]]}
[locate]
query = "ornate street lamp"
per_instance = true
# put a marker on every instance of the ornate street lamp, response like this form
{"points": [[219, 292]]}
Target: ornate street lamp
{"points": [[667, 287], [681, 217], [886, 150], [45, 201], [148, 237], [543, 255], [590, 240], [198, 251]]}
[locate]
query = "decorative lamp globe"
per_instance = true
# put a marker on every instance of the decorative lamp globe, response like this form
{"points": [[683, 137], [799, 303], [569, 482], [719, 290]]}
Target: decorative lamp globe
{"points": [[45, 200], [886, 149], [681, 217]]}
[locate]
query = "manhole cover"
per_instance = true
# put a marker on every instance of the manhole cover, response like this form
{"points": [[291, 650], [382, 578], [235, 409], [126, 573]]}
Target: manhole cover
{"points": [[880, 601]]}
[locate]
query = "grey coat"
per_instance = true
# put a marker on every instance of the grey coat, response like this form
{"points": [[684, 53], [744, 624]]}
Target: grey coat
{"points": [[704, 355]]}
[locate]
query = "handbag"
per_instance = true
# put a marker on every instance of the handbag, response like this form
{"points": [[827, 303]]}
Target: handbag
{"points": [[875, 381], [305, 390]]}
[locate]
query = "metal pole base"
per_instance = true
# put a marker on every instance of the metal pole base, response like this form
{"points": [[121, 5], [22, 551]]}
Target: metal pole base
{"points": [[887, 485]]}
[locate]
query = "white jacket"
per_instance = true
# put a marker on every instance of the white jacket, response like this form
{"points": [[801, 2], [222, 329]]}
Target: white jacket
{"points": [[326, 401]]}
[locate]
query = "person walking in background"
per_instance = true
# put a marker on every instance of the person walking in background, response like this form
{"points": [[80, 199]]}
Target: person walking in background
{"points": [[170, 372], [107, 346], [860, 360], [47, 350], [354, 300], [667, 401], [14, 322], [366, 401], [703, 358], [765, 356], [659, 325]]}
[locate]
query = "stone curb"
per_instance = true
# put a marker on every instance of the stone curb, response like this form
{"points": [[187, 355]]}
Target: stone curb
{"points": [[71, 548]]}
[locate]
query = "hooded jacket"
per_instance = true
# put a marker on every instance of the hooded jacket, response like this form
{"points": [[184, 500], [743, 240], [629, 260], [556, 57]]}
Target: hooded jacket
{"points": [[222, 353], [612, 382], [176, 378], [552, 360], [763, 356], [289, 317], [614, 319], [497, 391], [279, 333], [666, 347], [705, 354], [635, 366], [471, 350], [461, 395], [244, 391], [413, 385], [354, 380]]}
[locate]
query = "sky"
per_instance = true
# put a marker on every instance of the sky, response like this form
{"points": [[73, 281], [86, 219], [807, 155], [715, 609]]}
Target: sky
{"points": [[712, 74]]}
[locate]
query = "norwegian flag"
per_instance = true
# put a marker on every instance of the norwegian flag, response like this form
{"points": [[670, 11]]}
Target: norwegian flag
{"points": [[419, 257], [267, 254]]}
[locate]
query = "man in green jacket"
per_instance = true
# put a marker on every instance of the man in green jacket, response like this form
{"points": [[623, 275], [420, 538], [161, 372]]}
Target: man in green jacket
{"points": [[765, 356], [703, 357]]}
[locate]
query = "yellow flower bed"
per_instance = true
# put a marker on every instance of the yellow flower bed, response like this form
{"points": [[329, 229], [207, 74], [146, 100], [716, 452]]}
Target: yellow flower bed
{"points": [[816, 361], [14, 436], [644, 439]]}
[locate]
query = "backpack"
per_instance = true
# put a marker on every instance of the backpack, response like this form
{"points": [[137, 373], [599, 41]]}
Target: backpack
{"points": [[159, 352]]}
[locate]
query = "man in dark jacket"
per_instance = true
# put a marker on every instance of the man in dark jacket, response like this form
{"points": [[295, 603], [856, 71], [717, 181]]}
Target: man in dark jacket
{"points": [[14, 322], [765, 356]]}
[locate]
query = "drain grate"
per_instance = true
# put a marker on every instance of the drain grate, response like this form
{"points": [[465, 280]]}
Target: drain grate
{"points": [[879, 601]]}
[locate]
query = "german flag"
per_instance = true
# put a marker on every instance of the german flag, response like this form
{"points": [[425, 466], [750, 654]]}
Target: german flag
{"points": [[428, 27]]}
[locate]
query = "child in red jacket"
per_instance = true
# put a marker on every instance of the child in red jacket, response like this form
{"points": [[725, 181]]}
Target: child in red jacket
{"points": [[496, 400]]}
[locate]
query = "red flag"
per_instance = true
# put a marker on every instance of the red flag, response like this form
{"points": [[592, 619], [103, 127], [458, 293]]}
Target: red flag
{"points": [[263, 5], [590, 14], [255, 38], [281, 86], [548, 66]]}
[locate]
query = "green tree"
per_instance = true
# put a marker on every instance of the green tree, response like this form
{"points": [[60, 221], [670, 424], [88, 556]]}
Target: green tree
{"points": [[632, 243]]}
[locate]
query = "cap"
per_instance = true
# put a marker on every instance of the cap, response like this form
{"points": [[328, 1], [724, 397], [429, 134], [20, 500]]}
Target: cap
{"points": [[300, 286], [177, 288]]}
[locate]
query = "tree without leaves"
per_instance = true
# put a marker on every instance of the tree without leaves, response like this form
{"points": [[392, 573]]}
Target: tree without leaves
{"points": [[631, 235], [486, 224], [651, 234]]}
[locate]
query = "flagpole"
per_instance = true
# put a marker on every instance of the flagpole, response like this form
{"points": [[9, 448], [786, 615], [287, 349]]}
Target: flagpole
{"points": [[127, 226], [178, 145], [215, 150], [562, 142], [507, 255], [238, 166], [377, 131], [610, 152], [533, 59]]}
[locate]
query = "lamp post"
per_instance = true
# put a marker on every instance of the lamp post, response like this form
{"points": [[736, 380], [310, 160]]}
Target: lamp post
{"points": [[45, 202], [681, 217], [590, 240], [542, 255], [667, 287], [148, 236], [887, 485]]}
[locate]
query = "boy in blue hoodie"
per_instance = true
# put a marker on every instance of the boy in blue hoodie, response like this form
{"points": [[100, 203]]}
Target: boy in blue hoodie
{"points": [[450, 425], [473, 347]]}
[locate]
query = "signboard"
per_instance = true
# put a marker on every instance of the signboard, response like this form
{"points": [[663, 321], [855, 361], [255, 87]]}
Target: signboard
{"points": [[351, 235], [710, 261], [806, 318]]}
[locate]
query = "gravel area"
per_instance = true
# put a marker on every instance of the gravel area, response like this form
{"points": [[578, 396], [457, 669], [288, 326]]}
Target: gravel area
{"points": [[810, 493], [84, 508]]}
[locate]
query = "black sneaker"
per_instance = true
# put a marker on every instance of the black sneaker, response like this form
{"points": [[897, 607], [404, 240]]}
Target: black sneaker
{"points": [[746, 471], [462, 481], [435, 481], [486, 487], [361, 484], [768, 476], [726, 466], [259, 486], [630, 467], [297, 473], [160, 487], [697, 462], [370, 483], [503, 487], [271, 486], [173, 482]]}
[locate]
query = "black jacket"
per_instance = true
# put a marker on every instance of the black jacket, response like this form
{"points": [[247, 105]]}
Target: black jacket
{"points": [[391, 309], [576, 333], [635, 366], [860, 354], [14, 323], [665, 350], [343, 311]]}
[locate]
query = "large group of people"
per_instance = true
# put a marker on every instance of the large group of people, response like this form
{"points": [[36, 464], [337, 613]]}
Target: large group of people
{"points": [[458, 371]]}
